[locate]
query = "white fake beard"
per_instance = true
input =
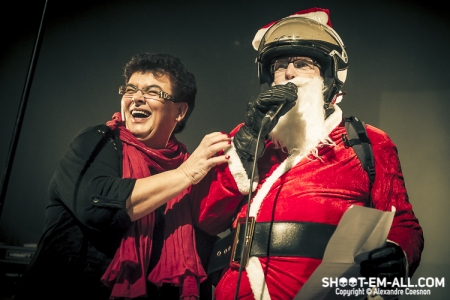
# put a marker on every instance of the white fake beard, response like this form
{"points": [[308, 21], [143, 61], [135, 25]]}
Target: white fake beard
{"points": [[302, 128]]}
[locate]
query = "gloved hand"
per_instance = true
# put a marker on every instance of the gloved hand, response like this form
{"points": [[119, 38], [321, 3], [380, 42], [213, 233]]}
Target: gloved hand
{"points": [[245, 139], [385, 262]]}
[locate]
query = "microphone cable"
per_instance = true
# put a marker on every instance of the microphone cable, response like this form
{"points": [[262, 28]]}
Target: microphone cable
{"points": [[266, 118]]}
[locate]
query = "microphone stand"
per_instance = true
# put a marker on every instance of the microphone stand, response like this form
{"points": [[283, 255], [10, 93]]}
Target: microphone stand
{"points": [[19, 119]]}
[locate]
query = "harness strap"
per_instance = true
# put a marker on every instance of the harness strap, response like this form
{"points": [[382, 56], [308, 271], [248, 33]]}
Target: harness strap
{"points": [[357, 139]]}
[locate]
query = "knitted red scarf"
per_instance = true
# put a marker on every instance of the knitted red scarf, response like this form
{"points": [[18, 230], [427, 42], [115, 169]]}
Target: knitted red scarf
{"points": [[179, 263]]}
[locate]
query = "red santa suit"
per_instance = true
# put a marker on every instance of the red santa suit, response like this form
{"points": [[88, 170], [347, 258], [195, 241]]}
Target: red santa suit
{"points": [[306, 189]]}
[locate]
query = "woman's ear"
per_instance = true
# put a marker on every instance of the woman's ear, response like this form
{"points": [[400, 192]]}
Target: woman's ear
{"points": [[182, 110]]}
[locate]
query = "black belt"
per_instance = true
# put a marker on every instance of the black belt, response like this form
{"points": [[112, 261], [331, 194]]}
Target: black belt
{"points": [[303, 239]]}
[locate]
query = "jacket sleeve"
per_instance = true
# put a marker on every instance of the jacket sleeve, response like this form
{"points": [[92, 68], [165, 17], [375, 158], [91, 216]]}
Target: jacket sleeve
{"points": [[389, 191], [88, 181]]}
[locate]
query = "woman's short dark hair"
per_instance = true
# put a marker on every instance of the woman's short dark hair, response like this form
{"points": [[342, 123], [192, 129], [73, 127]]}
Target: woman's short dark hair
{"points": [[184, 88]]}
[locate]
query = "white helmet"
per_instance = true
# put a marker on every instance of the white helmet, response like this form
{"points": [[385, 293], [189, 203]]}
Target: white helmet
{"points": [[305, 33]]}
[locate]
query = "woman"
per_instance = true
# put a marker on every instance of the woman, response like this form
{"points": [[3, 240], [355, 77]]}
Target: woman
{"points": [[117, 214]]}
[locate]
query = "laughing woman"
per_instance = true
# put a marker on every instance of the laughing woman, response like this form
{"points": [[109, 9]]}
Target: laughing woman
{"points": [[118, 224]]}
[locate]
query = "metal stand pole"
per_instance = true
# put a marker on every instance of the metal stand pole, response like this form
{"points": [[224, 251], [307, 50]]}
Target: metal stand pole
{"points": [[20, 114]]}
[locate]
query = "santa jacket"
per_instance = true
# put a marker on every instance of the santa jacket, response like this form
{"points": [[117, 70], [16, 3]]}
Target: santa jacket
{"points": [[306, 189]]}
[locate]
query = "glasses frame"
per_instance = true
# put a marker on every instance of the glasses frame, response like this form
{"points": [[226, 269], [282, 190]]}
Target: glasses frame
{"points": [[293, 60], [161, 93]]}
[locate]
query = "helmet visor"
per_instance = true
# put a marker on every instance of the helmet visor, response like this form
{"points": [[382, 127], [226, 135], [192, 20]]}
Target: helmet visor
{"points": [[297, 29]]}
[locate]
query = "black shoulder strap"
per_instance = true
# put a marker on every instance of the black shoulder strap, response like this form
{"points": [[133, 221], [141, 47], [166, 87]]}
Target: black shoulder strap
{"points": [[357, 138]]}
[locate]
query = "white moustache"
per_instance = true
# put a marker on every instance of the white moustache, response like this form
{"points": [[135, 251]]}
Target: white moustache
{"points": [[301, 81]]}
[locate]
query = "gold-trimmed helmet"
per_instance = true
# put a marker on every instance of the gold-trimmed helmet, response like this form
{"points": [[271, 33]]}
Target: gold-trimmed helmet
{"points": [[304, 36]]}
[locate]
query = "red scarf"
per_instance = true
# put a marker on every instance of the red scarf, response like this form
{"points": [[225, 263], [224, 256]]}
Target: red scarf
{"points": [[179, 264]]}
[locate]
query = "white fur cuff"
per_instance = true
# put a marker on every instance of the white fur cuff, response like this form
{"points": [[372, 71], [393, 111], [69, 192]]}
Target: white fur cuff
{"points": [[238, 171]]}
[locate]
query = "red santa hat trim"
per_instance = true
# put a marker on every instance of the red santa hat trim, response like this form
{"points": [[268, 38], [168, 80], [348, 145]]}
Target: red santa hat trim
{"points": [[321, 15]]}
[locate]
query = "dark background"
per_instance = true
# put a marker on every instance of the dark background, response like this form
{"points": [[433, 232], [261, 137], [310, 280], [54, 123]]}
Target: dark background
{"points": [[398, 80]]}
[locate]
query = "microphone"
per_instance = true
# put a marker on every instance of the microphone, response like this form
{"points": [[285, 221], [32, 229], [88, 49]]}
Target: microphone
{"points": [[273, 112]]}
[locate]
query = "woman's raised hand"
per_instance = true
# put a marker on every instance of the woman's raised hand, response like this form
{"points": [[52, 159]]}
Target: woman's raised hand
{"points": [[208, 154]]}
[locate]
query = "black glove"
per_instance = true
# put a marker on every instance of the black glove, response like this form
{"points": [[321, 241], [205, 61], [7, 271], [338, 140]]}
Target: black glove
{"points": [[245, 139], [386, 262]]}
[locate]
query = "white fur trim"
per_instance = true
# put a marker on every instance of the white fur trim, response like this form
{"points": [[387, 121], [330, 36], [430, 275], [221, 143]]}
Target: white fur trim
{"points": [[285, 166], [239, 174], [258, 37], [319, 16], [257, 279], [254, 269]]}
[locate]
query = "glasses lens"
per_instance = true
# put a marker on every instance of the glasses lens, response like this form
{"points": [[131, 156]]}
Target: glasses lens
{"points": [[280, 65], [127, 89], [130, 89], [303, 64], [152, 92], [157, 93]]}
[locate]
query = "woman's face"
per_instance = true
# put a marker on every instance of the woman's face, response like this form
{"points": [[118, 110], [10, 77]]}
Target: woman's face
{"points": [[151, 119]]}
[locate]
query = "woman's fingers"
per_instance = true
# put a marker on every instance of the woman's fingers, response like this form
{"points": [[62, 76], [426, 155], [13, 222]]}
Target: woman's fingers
{"points": [[214, 143], [208, 154]]}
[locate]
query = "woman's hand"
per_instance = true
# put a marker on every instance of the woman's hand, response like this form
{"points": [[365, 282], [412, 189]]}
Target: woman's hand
{"points": [[151, 192], [207, 155]]}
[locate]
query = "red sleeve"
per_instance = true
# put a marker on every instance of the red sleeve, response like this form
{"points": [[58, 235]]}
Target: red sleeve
{"points": [[216, 199], [389, 191]]}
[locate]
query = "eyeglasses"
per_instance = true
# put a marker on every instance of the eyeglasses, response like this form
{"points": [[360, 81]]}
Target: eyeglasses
{"points": [[150, 92], [301, 64]]}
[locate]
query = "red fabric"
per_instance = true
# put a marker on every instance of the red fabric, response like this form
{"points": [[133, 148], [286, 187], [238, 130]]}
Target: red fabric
{"points": [[320, 191], [303, 12], [179, 263]]}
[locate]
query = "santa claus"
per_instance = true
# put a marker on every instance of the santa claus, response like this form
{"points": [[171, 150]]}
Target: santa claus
{"points": [[305, 176]]}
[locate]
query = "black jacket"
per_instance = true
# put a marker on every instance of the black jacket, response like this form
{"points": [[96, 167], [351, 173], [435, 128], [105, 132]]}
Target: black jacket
{"points": [[85, 220]]}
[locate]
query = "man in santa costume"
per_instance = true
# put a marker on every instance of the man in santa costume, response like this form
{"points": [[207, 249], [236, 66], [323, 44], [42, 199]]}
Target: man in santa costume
{"points": [[306, 176]]}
